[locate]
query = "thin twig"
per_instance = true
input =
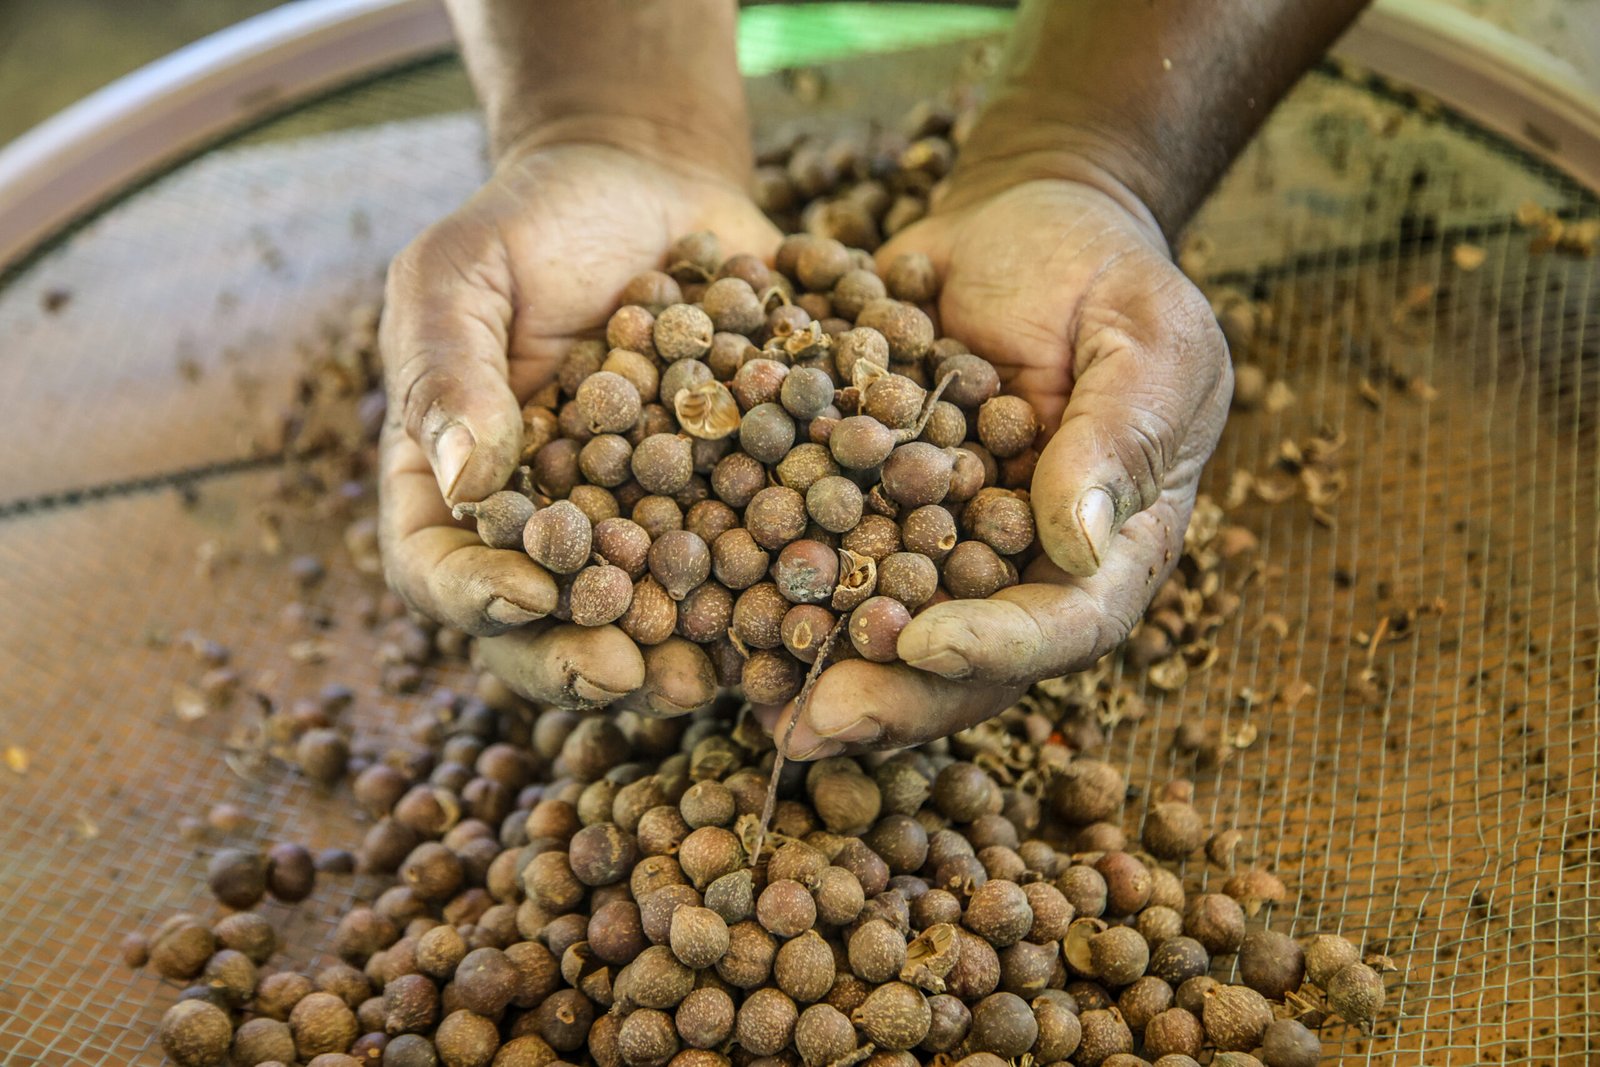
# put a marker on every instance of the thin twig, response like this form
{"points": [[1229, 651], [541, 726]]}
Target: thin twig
{"points": [[911, 433], [817, 667]]}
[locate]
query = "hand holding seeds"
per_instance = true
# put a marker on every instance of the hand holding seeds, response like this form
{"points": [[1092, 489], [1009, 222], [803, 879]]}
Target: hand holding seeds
{"points": [[479, 312], [756, 459], [1074, 301], [742, 514]]}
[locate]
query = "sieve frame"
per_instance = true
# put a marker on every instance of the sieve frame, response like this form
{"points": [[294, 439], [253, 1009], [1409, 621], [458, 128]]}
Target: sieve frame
{"points": [[142, 124]]}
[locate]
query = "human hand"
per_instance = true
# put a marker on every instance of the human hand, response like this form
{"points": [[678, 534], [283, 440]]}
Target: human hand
{"points": [[479, 311], [1070, 292]]}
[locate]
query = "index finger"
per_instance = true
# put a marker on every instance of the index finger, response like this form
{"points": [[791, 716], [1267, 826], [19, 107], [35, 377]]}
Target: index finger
{"points": [[859, 705], [440, 568], [1054, 622]]}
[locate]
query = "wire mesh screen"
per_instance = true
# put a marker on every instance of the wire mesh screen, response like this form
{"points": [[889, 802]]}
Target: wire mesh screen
{"points": [[1407, 700]]}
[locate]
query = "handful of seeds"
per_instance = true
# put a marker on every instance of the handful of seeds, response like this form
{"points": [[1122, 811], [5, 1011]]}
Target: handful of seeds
{"points": [[755, 455]]}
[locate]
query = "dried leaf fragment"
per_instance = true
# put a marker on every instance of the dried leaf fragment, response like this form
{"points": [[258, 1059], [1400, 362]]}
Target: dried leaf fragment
{"points": [[1256, 889], [1419, 389], [1075, 946], [1223, 847], [858, 578], [1279, 396], [1381, 963], [707, 411], [1276, 487], [930, 957], [1275, 624], [1417, 298], [1169, 675], [865, 373], [310, 650], [1293, 693], [1369, 685], [189, 704], [1468, 258], [87, 828], [17, 759], [747, 828], [1240, 485], [807, 343]]}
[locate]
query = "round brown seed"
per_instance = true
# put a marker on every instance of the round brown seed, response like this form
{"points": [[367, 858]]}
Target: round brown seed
{"points": [[875, 628], [909, 577], [972, 571], [608, 402], [1235, 1017], [806, 572], [601, 595], [682, 331], [765, 1022], [196, 1034], [835, 503], [680, 561], [559, 537], [894, 1016], [737, 561], [785, 909], [775, 516]]}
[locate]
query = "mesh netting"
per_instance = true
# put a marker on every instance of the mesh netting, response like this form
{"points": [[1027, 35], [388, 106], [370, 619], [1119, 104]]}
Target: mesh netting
{"points": [[1409, 694]]}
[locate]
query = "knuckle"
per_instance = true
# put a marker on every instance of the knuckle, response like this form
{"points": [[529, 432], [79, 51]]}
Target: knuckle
{"points": [[400, 578], [460, 588], [1145, 453], [421, 382]]}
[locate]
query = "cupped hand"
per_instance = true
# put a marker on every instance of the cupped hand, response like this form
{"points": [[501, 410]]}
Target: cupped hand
{"points": [[1071, 294], [479, 310]]}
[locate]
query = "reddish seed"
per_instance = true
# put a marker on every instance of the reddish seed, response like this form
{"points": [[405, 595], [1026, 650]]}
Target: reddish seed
{"points": [[875, 628]]}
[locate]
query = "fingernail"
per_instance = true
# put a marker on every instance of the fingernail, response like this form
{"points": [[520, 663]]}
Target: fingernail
{"points": [[946, 662], [863, 731], [821, 748], [801, 741], [451, 451], [504, 612], [806, 744], [1096, 512], [591, 693]]}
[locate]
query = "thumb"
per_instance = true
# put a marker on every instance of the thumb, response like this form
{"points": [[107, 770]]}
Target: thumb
{"points": [[446, 327], [1149, 397]]}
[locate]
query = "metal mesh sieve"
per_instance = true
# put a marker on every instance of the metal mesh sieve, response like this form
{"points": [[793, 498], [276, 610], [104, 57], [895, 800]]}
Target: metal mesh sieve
{"points": [[1430, 791]]}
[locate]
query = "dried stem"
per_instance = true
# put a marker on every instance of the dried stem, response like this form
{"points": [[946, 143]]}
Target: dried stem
{"points": [[817, 667], [524, 481], [914, 432], [686, 267]]}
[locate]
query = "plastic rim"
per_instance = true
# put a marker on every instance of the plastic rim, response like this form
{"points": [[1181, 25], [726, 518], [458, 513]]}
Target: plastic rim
{"points": [[133, 128]]}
